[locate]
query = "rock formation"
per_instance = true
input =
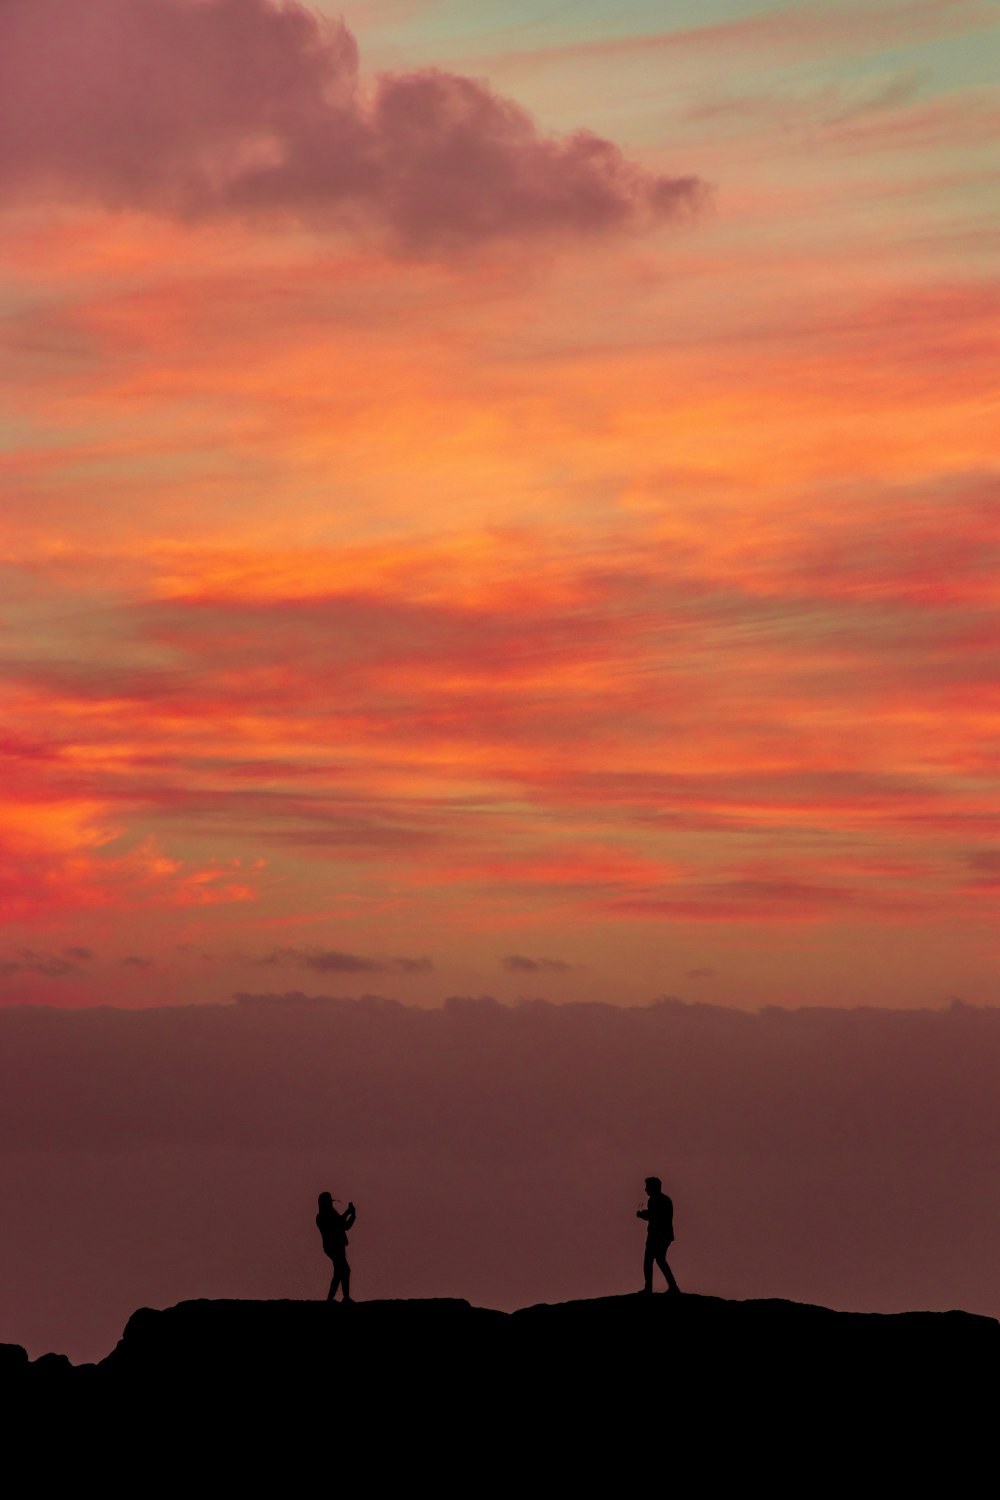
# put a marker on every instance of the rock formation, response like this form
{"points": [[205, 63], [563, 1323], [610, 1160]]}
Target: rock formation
{"points": [[573, 1394]]}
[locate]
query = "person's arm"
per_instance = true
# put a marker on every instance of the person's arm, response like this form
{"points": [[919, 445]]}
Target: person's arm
{"points": [[642, 1213], [350, 1214]]}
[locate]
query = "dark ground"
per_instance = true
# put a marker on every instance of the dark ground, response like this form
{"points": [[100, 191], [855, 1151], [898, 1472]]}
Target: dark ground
{"points": [[635, 1393]]}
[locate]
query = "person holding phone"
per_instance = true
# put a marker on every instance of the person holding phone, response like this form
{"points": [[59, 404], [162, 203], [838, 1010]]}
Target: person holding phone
{"points": [[333, 1227]]}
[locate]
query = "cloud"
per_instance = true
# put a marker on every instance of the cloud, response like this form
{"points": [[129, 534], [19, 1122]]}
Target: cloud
{"points": [[987, 860], [412, 965], [48, 966], [59, 856], [397, 719], [700, 973], [517, 963], [134, 961], [985, 864], [255, 107], [805, 30], [332, 961], [322, 960], [766, 900], [67, 961], [408, 722], [19, 747]]}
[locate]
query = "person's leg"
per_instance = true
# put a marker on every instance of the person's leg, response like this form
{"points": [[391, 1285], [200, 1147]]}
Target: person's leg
{"points": [[647, 1268], [661, 1261], [334, 1284], [345, 1277]]}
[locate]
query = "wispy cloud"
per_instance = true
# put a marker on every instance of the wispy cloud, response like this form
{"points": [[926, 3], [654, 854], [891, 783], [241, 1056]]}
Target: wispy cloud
{"points": [[786, 685], [518, 963], [47, 965], [802, 29], [332, 961]]}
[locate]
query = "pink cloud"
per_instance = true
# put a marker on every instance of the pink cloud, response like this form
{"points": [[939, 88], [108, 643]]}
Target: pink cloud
{"points": [[199, 108]]}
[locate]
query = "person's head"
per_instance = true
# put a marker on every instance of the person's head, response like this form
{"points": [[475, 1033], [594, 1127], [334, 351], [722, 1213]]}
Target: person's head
{"points": [[325, 1200], [653, 1185]]}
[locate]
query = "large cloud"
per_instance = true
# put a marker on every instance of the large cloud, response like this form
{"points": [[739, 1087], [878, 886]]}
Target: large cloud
{"points": [[207, 107]]}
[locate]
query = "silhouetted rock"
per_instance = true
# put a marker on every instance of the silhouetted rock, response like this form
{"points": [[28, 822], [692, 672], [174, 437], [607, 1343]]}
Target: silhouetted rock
{"points": [[739, 1391], [52, 1370], [13, 1362], [744, 1328], [297, 1343]]}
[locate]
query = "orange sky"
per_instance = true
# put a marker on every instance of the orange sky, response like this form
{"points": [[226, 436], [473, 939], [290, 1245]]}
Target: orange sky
{"points": [[580, 581]]}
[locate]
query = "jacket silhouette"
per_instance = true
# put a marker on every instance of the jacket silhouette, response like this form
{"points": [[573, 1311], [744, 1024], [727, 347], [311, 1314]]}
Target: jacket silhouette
{"points": [[659, 1217], [333, 1227]]}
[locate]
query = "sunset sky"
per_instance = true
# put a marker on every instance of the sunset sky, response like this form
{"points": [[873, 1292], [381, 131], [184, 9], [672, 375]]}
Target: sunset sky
{"points": [[499, 505], [498, 499]]}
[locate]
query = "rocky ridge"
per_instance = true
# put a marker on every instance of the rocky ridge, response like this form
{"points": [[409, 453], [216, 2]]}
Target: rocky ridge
{"points": [[575, 1390]]}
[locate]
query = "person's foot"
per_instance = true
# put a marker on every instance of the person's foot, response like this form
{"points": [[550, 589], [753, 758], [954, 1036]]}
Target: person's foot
{"points": [[647, 1291]]}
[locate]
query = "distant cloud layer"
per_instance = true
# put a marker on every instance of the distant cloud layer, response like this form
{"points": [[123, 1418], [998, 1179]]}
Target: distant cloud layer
{"points": [[495, 1153], [255, 107]]}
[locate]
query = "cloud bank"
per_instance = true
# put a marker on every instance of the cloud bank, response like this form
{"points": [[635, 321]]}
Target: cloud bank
{"points": [[202, 108], [844, 1157]]}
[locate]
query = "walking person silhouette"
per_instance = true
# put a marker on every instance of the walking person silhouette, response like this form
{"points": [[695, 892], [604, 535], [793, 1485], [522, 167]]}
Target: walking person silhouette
{"points": [[659, 1216], [333, 1227]]}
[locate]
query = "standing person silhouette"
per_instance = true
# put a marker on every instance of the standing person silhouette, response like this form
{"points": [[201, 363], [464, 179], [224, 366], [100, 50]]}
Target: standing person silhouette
{"points": [[659, 1216], [333, 1227]]}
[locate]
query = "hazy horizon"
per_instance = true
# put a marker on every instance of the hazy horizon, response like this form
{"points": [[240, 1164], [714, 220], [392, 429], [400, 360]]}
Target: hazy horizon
{"points": [[495, 1153]]}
